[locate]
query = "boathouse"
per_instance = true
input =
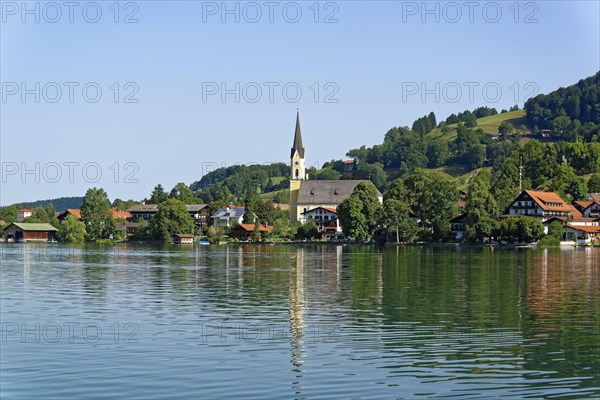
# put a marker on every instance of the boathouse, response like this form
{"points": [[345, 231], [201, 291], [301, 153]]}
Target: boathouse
{"points": [[28, 232]]}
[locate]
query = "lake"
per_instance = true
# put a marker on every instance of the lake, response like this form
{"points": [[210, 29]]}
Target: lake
{"points": [[272, 322]]}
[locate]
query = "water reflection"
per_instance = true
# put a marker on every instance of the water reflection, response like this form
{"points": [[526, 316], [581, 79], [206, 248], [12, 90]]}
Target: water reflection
{"points": [[348, 321]]}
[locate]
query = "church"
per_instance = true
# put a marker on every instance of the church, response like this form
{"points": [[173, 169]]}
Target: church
{"points": [[317, 199]]}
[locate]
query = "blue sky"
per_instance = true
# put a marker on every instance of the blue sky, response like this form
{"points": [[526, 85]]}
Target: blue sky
{"points": [[370, 61]]}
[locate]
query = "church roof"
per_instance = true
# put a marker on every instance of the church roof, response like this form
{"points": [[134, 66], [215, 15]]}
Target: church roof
{"points": [[298, 139], [327, 191]]}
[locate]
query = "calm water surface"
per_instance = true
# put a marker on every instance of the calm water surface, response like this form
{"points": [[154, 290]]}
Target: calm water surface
{"points": [[298, 322]]}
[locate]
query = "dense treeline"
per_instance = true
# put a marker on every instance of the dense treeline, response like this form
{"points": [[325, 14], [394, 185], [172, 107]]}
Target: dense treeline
{"points": [[239, 178], [61, 203], [569, 112]]}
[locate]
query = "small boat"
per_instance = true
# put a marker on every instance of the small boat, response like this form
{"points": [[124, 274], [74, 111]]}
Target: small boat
{"points": [[203, 242]]}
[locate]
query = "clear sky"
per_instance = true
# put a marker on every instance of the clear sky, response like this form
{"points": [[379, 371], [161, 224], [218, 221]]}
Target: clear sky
{"points": [[188, 85]]}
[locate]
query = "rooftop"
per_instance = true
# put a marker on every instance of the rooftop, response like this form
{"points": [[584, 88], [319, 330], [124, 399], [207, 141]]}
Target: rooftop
{"points": [[327, 191], [38, 227]]}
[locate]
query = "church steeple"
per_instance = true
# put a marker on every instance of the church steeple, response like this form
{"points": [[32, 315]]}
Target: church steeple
{"points": [[297, 139], [298, 170]]}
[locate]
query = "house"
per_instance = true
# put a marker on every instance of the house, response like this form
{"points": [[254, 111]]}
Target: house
{"points": [[590, 209], [458, 226], [128, 227], [27, 232], [243, 232], [326, 219], [542, 205], [582, 234], [198, 212], [142, 211], [545, 133], [182, 238], [76, 212], [228, 216], [23, 213], [306, 195], [120, 215], [594, 197]]}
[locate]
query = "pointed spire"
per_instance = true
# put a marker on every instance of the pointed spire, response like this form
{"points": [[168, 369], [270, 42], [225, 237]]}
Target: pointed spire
{"points": [[298, 138]]}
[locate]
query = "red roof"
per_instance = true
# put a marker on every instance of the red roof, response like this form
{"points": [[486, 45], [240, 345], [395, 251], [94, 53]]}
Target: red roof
{"points": [[116, 214], [250, 227], [330, 209], [584, 204], [24, 210], [550, 201], [75, 211], [585, 228]]}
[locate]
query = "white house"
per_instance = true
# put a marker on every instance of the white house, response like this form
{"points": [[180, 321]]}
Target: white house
{"points": [[326, 219], [23, 213], [228, 216]]}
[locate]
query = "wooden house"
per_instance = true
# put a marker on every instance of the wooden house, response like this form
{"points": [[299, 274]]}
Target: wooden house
{"points": [[27, 232]]}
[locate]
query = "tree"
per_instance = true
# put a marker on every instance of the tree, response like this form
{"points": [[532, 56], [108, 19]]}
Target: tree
{"points": [[71, 230], [433, 198], [265, 212], [529, 229], [555, 229], [123, 205], [354, 223], [282, 197], [97, 215], [397, 190], [309, 230], [172, 218], [250, 200], [505, 128], [566, 182], [437, 153], [158, 195], [593, 184], [367, 194], [481, 208], [326, 174], [256, 232], [224, 195], [395, 212], [372, 172], [183, 193], [9, 214], [359, 214]]}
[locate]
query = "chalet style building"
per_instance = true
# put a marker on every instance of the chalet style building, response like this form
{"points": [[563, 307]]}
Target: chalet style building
{"points": [[589, 209], [243, 232], [542, 205], [326, 219], [306, 195], [28, 232], [458, 226], [228, 216], [198, 212], [76, 212], [183, 238]]}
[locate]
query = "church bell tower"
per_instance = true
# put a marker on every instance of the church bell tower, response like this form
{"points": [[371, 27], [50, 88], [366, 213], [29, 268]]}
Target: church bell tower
{"points": [[297, 170]]}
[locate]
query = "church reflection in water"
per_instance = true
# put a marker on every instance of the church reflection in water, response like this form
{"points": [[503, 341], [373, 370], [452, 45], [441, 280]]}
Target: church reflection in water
{"points": [[297, 315]]}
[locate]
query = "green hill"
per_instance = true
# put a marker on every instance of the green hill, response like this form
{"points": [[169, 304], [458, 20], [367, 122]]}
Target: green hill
{"points": [[488, 124]]}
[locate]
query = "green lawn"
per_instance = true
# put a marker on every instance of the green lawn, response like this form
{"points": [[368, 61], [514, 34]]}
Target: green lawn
{"points": [[488, 124], [458, 174]]}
